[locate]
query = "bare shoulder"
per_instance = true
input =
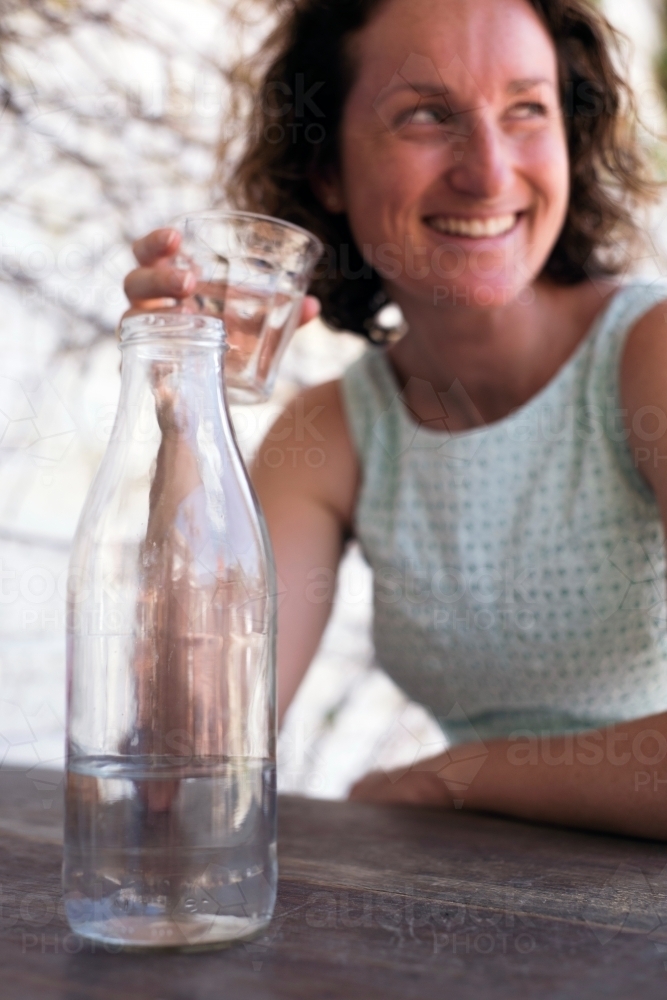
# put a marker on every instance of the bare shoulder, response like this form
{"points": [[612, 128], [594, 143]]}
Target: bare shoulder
{"points": [[309, 452], [643, 390], [644, 358]]}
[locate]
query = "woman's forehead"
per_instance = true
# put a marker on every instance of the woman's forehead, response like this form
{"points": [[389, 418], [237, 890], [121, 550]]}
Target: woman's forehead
{"points": [[463, 45]]}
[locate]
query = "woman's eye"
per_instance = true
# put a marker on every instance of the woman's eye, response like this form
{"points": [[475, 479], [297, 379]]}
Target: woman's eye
{"points": [[426, 116], [529, 109]]}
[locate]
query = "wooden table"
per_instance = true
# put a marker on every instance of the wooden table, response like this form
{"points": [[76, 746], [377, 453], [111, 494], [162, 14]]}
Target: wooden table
{"points": [[374, 902]]}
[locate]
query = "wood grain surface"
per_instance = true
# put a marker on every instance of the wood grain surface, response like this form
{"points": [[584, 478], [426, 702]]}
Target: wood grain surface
{"points": [[373, 902]]}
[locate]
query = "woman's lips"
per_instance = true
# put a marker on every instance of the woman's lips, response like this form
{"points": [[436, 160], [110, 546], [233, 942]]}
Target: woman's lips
{"points": [[473, 227]]}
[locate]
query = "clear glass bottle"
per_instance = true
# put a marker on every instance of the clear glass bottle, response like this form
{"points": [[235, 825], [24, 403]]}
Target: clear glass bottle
{"points": [[170, 834]]}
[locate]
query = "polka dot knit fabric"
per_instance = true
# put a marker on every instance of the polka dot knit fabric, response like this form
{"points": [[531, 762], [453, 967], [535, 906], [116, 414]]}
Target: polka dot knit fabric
{"points": [[519, 570]]}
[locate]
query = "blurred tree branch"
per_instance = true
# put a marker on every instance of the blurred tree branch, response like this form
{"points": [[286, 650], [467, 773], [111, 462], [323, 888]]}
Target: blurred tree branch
{"points": [[112, 111]]}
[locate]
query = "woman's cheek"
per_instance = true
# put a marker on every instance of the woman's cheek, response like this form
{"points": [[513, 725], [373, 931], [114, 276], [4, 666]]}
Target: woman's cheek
{"points": [[549, 170], [376, 210], [384, 180]]}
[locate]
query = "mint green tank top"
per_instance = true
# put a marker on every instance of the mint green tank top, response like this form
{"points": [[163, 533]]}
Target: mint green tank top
{"points": [[519, 568]]}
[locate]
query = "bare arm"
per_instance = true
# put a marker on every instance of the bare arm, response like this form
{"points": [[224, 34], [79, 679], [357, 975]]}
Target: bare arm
{"points": [[614, 779], [305, 475], [599, 780]]}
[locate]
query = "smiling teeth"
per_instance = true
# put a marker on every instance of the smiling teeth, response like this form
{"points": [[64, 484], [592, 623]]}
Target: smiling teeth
{"points": [[473, 227]]}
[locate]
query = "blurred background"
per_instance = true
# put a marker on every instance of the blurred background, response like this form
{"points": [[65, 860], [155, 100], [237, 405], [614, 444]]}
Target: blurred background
{"points": [[112, 115]]}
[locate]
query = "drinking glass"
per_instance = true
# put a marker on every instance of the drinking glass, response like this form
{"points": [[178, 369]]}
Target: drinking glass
{"points": [[252, 272]]}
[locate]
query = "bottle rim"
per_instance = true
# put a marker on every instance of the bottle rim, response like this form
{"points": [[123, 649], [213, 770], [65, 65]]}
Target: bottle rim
{"points": [[185, 328]]}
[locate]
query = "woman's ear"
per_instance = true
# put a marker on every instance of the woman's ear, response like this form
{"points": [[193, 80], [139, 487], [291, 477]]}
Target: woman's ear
{"points": [[328, 190]]}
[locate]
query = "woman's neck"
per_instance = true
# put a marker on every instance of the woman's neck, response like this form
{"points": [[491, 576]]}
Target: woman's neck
{"points": [[488, 362]]}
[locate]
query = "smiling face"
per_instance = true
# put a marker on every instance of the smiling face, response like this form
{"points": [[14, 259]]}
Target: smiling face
{"points": [[453, 157]]}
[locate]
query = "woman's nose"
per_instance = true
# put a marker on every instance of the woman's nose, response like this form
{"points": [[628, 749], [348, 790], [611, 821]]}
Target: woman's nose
{"points": [[481, 167]]}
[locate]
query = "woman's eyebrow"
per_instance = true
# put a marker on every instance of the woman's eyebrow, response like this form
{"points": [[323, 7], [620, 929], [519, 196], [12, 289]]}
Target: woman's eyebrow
{"points": [[423, 89], [431, 88], [517, 86]]}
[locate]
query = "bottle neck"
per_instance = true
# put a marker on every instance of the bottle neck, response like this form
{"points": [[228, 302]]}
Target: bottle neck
{"points": [[173, 425], [184, 384]]}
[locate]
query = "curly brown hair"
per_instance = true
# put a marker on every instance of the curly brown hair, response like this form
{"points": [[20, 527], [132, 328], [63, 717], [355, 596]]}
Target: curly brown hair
{"points": [[288, 141]]}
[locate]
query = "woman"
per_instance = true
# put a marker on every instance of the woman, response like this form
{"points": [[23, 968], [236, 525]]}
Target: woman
{"points": [[500, 463]]}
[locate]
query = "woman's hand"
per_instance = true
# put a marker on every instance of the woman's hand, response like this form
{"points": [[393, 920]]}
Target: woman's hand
{"points": [[412, 787], [158, 284], [612, 779]]}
